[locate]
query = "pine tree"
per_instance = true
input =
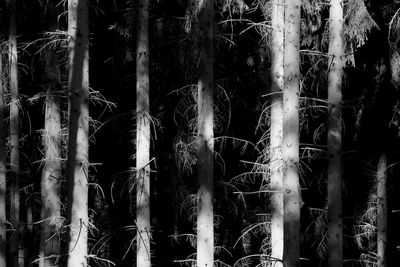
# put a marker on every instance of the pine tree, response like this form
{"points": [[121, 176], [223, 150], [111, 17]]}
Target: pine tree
{"points": [[143, 252], [335, 74], [14, 137], [382, 211], [3, 171], [78, 138], [205, 102], [276, 170], [51, 175], [291, 91]]}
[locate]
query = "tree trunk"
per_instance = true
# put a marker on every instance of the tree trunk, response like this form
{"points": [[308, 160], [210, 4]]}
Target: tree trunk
{"points": [[3, 172], [50, 187], [205, 213], [14, 138], [276, 169], [335, 225], [291, 91], [382, 222], [143, 258], [78, 139]]}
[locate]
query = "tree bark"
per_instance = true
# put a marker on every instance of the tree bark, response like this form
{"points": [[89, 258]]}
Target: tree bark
{"points": [[335, 74], [3, 172], [143, 136], [51, 175], [291, 91], [382, 222], [14, 138], [276, 161], [78, 139], [205, 103]]}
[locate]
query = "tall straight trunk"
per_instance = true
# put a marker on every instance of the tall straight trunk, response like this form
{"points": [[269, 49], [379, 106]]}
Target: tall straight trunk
{"points": [[276, 163], [78, 139], [143, 258], [51, 175], [291, 91], [3, 171], [14, 137], [382, 223], [335, 74], [205, 213]]}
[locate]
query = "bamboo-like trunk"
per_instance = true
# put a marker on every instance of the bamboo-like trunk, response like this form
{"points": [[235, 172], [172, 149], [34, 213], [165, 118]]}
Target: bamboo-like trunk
{"points": [[382, 205], [291, 91], [335, 74], [78, 138], [205, 213], [14, 138], [51, 175], [276, 133], [143, 238], [3, 172]]}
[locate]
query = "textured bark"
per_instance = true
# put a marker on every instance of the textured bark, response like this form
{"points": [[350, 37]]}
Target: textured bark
{"points": [[205, 216], [276, 161], [14, 138], [382, 223], [78, 138], [292, 197], [143, 258], [335, 74], [3, 172], [50, 184]]}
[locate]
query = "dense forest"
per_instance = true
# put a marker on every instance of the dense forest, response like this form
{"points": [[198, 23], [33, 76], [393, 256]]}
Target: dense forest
{"points": [[203, 133]]}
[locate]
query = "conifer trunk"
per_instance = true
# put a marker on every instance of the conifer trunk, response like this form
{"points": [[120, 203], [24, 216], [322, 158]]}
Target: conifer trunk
{"points": [[78, 139], [276, 163], [335, 224], [291, 91], [205, 215], [3, 171], [51, 175], [14, 138], [382, 222], [143, 137]]}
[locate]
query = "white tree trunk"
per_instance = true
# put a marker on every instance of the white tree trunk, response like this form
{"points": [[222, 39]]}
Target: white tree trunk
{"points": [[382, 222], [3, 172], [143, 258], [205, 216], [78, 139], [291, 91], [335, 225], [276, 161], [14, 137], [51, 175]]}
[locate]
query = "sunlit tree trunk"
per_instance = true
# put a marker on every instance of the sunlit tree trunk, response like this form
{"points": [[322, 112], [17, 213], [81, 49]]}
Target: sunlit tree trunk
{"points": [[14, 137], [335, 73], [382, 222], [143, 258], [78, 139], [3, 171], [50, 185], [276, 163], [291, 91], [205, 225]]}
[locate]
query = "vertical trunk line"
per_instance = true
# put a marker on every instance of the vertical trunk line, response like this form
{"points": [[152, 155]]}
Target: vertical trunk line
{"points": [[291, 91], [143, 253], [78, 138], [3, 172], [335, 221], [275, 150], [382, 222], [14, 138], [205, 216]]}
